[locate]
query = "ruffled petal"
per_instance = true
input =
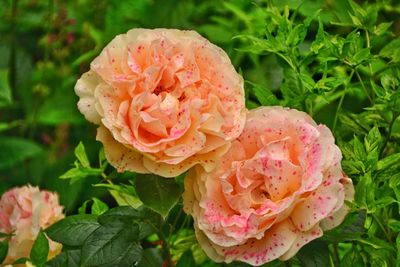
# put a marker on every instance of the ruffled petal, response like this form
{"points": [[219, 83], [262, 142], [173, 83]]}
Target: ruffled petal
{"points": [[121, 157]]}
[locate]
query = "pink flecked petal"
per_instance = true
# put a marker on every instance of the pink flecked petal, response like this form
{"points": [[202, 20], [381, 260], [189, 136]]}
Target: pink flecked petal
{"points": [[302, 239], [152, 86], [121, 157], [258, 252], [316, 207], [206, 160], [338, 216], [23, 212]]}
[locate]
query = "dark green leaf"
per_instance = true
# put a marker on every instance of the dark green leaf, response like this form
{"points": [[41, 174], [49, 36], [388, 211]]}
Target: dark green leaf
{"points": [[40, 250], [73, 230], [3, 250], [113, 244], [151, 257], [186, 260], [67, 258], [314, 254], [158, 193], [121, 213]]}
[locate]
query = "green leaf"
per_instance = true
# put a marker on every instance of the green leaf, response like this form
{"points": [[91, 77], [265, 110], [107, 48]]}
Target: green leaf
{"points": [[158, 193], [82, 209], [216, 33], [382, 28], [352, 258], [151, 257], [78, 173], [113, 244], [80, 154], [186, 260], [40, 250], [5, 235], [265, 96], [98, 206], [398, 249], [121, 213], [296, 35], [73, 230], [394, 225], [3, 250], [67, 258], [15, 150], [392, 50], [5, 90], [314, 254], [124, 194], [388, 161]]}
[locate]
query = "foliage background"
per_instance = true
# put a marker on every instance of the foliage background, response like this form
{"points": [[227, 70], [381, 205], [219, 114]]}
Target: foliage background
{"points": [[337, 60]]}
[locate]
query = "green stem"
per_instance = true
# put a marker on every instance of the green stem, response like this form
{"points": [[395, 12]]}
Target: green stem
{"points": [[336, 255], [341, 100], [363, 86], [389, 134], [381, 226], [164, 246]]}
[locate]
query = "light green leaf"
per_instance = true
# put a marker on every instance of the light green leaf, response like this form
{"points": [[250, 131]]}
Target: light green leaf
{"points": [[382, 28], [98, 206], [265, 96], [388, 161], [80, 154]]}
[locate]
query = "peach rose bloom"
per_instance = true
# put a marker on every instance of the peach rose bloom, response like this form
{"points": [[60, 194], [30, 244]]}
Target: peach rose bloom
{"points": [[23, 211], [277, 188], [164, 101]]}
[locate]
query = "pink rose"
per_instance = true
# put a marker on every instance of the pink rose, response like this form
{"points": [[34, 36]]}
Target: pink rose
{"points": [[164, 101], [23, 211], [277, 188]]}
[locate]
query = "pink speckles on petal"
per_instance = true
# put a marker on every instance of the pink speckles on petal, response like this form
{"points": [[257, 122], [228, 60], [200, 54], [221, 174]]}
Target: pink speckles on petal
{"points": [[153, 89], [274, 191], [302, 239]]}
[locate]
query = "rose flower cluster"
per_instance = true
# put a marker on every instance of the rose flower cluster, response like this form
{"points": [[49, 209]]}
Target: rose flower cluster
{"points": [[23, 212], [261, 183]]}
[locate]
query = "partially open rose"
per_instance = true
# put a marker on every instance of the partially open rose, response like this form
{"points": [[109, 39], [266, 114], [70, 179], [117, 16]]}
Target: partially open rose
{"points": [[23, 211], [277, 188], [165, 100]]}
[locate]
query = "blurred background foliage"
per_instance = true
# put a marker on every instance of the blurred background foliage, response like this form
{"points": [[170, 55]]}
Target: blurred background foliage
{"points": [[338, 60]]}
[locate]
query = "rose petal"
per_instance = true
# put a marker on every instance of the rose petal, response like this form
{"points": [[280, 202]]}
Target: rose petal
{"points": [[121, 157]]}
